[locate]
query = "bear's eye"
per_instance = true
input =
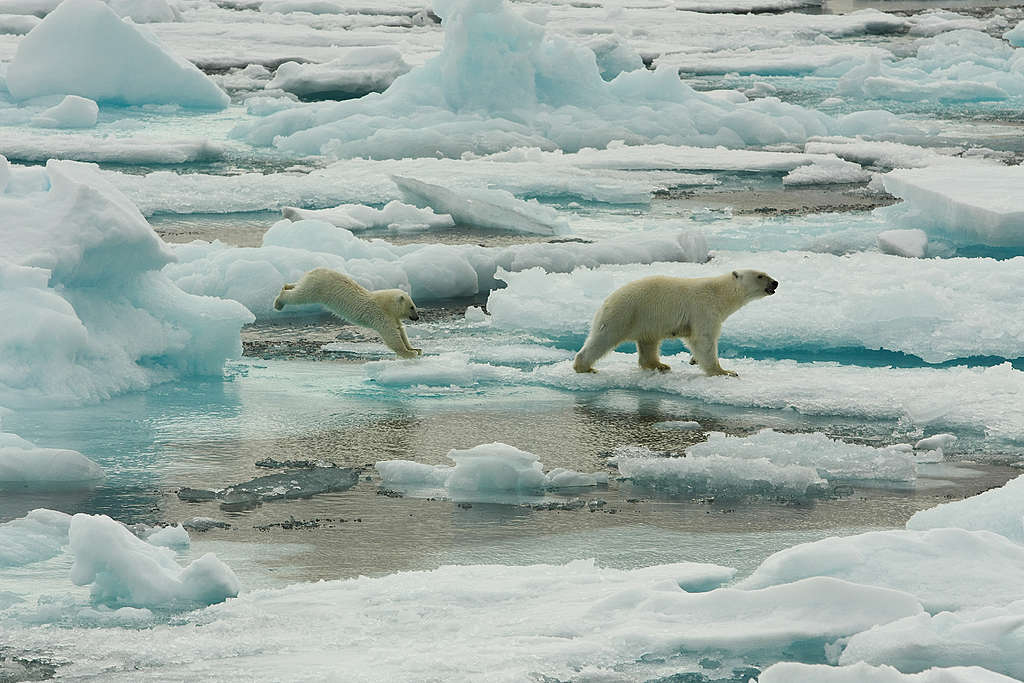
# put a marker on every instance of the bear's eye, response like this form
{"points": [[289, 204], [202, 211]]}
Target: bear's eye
{"points": [[760, 277]]}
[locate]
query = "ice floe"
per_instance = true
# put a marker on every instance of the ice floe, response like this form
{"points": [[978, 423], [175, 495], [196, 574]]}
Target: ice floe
{"points": [[81, 274], [356, 72], [23, 465], [138, 71], [793, 672], [938, 310], [493, 468], [946, 569], [39, 535], [1000, 510], [124, 570], [969, 202], [141, 149], [395, 215], [72, 112], [909, 243]]}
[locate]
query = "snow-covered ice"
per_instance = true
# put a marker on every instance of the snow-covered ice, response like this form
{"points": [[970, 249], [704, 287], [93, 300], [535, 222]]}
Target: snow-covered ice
{"points": [[1000, 510], [39, 535], [792, 672], [23, 465], [909, 243]]}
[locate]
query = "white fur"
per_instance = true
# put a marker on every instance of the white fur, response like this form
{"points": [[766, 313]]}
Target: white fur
{"points": [[655, 308], [380, 310]]}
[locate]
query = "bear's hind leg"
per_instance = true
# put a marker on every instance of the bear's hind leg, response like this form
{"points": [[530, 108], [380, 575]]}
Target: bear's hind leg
{"points": [[649, 356], [598, 343]]}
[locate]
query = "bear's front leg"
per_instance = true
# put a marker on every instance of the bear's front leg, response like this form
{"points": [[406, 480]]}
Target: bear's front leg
{"points": [[649, 357], [705, 353], [405, 340], [392, 336]]}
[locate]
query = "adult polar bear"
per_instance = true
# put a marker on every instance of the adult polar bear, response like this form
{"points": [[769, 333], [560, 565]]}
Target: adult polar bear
{"points": [[381, 310], [659, 307]]}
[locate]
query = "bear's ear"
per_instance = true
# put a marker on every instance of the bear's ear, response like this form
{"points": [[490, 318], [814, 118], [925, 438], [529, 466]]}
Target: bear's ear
{"points": [[736, 274]]}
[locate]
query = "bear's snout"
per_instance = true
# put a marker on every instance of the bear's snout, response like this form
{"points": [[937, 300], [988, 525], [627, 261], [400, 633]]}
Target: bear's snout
{"points": [[414, 316], [772, 286]]}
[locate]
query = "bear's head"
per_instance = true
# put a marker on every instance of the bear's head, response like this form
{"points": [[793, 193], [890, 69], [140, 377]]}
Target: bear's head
{"points": [[755, 283], [404, 307]]}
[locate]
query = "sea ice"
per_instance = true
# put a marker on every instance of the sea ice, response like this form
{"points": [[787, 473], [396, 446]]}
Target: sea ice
{"points": [[827, 171], [938, 310], [1000, 510], [111, 149], [96, 317], [551, 94], [604, 618], [1015, 36], [23, 465], [969, 202], [72, 52], [394, 216], [354, 73], [485, 208], [300, 483], [946, 569], [793, 672], [125, 570], [72, 112], [173, 536], [485, 469]]}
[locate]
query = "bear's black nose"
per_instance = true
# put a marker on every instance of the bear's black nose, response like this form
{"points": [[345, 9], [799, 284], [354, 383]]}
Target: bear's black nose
{"points": [[414, 316], [772, 286]]}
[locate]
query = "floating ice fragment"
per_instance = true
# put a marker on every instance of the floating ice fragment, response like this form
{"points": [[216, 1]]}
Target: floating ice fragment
{"points": [[303, 483], [909, 243], [937, 441], [395, 216], [172, 536], [356, 72], [483, 208], [677, 425], [827, 171], [125, 570], [72, 112], [39, 535], [25, 466]]}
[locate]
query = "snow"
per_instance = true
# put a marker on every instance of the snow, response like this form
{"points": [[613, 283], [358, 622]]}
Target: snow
{"points": [[484, 469], [909, 243], [126, 571], [96, 316], [173, 536], [72, 112], [1000, 510], [937, 309], [356, 72], [946, 569], [970, 202], [484, 208], [793, 672], [138, 71], [23, 465], [254, 276], [991, 637], [394, 216]]}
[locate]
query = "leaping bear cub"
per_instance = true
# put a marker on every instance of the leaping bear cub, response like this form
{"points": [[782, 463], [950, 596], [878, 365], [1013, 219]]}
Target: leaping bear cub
{"points": [[381, 310], [660, 307]]}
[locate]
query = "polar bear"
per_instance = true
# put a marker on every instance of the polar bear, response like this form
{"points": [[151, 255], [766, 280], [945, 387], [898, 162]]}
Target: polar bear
{"points": [[658, 307], [380, 310]]}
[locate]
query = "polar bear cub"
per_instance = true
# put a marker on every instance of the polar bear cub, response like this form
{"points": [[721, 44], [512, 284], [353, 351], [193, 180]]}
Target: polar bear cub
{"points": [[380, 310], [659, 307]]}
